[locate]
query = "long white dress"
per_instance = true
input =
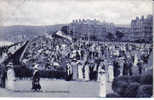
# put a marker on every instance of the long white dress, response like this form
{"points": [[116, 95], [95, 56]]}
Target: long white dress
{"points": [[10, 79], [86, 72], [136, 60], [102, 83], [74, 70], [80, 73], [110, 73], [99, 73]]}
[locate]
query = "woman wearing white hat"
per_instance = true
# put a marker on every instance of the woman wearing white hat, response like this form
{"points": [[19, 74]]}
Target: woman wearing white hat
{"points": [[102, 83], [36, 79], [10, 77], [69, 71]]}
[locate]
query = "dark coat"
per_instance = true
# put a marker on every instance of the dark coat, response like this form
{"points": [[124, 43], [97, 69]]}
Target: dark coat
{"points": [[3, 76], [36, 81], [116, 69]]}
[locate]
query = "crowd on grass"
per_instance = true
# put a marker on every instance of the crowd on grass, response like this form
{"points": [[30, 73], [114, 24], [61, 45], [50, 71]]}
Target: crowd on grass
{"points": [[88, 61]]}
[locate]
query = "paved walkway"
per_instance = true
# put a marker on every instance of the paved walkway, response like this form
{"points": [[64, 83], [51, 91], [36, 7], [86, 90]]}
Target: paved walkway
{"points": [[54, 88]]}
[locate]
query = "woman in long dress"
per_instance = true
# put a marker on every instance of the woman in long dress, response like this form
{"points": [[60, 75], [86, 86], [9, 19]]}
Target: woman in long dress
{"points": [[110, 73], [36, 79], [102, 82], [100, 67], [10, 77], [87, 72], [74, 70], [69, 72], [80, 73], [102, 79]]}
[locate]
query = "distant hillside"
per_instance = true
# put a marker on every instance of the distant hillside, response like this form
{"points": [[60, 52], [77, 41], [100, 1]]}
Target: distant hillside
{"points": [[20, 32]]}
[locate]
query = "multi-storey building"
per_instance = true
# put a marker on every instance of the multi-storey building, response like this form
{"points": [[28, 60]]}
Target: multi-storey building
{"points": [[91, 28], [141, 28]]}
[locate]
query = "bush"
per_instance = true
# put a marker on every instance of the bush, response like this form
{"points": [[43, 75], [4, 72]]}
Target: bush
{"points": [[112, 95], [134, 79], [144, 91], [120, 87], [123, 78], [115, 82], [147, 78], [131, 90], [133, 86]]}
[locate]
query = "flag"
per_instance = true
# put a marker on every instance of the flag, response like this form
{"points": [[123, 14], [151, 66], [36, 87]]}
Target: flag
{"points": [[7, 48], [17, 56]]}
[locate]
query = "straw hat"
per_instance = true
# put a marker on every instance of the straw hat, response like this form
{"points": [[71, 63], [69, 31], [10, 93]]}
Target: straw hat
{"points": [[103, 71], [10, 65], [79, 62], [36, 67]]}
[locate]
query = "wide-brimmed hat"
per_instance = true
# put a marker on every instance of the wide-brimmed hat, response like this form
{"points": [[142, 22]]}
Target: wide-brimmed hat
{"points": [[36, 67], [103, 70], [79, 62], [10, 65]]}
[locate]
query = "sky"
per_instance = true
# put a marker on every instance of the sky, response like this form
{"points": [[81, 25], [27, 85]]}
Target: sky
{"points": [[50, 12]]}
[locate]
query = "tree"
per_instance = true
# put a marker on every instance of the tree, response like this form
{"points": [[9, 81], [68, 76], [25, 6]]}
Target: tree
{"points": [[65, 29], [93, 37], [119, 35], [110, 36]]}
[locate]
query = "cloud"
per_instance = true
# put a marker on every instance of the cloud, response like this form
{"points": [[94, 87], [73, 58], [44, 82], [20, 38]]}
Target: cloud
{"points": [[48, 12]]}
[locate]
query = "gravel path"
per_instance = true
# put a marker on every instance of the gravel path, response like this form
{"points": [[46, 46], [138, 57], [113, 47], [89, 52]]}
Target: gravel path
{"points": [[54, 88]]}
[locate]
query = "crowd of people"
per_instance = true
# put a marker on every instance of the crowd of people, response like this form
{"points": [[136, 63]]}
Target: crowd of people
{"points": [[115, 58], [103, 62], [82, 60], [85, 60]]}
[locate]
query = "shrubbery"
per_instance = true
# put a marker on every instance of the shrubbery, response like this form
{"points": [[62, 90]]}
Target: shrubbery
{"points": [[112, 95], [147, 77], [134, 79], [144, 91], [133, 86], [118, 85], [121, 87], [131, 90]]}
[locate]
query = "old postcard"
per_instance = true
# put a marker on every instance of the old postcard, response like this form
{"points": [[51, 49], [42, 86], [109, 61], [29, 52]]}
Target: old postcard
{"points": [[76, 48]]}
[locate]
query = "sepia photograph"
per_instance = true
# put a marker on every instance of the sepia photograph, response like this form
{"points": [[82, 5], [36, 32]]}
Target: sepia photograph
{"points": [[76, 48]]}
